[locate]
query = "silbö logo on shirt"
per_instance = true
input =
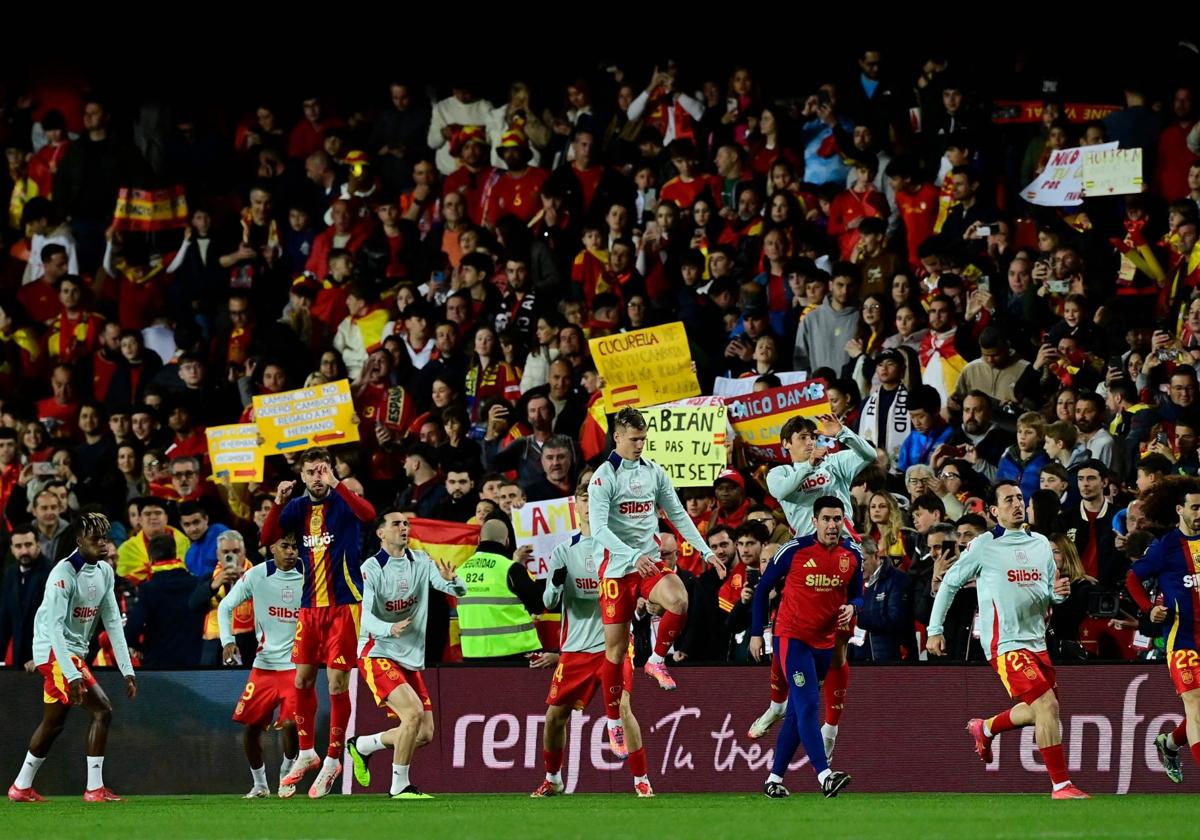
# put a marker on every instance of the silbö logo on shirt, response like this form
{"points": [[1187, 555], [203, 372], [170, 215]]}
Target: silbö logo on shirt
{"points": [[314, 540]]}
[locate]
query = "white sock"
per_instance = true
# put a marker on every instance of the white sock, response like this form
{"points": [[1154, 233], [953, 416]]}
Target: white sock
{"points": [[399, 778], [1062, 785], [95, 768], [368, 744], [778, 708], [28, 771], [987, 730], [641, 780], [331, 764], [655, 659], [554, 778], [1171, 745], [613, 724], [829, 731], [823, 775], [260, 776], [286, 766], [307, 755], [777, 779]]}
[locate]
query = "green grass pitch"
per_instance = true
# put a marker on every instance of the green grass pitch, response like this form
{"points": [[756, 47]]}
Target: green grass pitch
{"points": [[734, 815]]}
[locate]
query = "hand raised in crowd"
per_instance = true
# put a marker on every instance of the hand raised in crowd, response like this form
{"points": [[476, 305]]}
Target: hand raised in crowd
{"points": [[284, 492]]}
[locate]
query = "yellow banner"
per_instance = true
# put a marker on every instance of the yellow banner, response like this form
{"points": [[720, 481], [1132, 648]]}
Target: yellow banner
{"points": [[292, 421], [645, 367], [688, 442], [758, 418], [234, 452]]}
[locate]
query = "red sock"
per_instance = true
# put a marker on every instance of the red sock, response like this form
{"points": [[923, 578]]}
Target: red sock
{"points": [[837, 681], [306, 717], [669, 627], [1056, 764], [339, 719], [1179, 734], [637, 762], [610, 681], [1196, 753], [552, 760], [1001, 723], [779, 688]]}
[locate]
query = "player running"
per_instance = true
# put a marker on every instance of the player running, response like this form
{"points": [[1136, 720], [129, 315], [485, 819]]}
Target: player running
{"points": [[275, 587], [1016, 579], [1175, 560], [627, 492], [813, 474], [572, 576], [327, 518], [822, 590], [79, 589], [392, 647]]}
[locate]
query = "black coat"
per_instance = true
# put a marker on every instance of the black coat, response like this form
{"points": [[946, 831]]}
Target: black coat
{"points": [[20, 596], [163, 625]]}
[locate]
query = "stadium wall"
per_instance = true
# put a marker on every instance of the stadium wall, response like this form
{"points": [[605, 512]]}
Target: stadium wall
{"points": [[902, 731]]}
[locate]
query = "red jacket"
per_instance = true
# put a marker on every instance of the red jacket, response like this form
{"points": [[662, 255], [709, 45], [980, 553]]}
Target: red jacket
{"points": [[847, 207], [318, 260]]}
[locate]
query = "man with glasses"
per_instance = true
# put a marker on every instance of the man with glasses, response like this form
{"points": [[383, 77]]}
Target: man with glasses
{"points": [[185, 479], [133, 559]]}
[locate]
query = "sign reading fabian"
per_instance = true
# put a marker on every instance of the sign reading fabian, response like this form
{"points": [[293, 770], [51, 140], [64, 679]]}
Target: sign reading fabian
{"points": [[645, 367], [688, 442], [306, 418]]}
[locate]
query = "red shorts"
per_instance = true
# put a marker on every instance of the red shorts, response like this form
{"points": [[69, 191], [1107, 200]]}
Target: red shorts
{"points": [[618, 596], [384, 676], [1026, 675], [578, 676], [54, 685], [265, 692], [1184, 666], [327, 636]]}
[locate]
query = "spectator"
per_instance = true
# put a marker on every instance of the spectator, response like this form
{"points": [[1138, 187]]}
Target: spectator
{"points": [[214, 585], [424, 492], [732, 505], [163, 627], [927, 511], [887, 611], [705, 638], [821, 340], [20, 596], [995, 373], [1023, 461], [558, 470], [1090, 525], [1089, 419], [1069, 614], [885, 420], [458, 504], [53, 531], [201, 556], [929, 430], [524, 455], [133, 558]]}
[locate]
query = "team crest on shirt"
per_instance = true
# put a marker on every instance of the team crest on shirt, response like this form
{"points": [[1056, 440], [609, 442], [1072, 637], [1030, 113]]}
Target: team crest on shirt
{"points": [[287, 595], [844, 565], [590, 566], [92, 591], [1021, 556], [798, 679], [403, 587], [635, 487]]}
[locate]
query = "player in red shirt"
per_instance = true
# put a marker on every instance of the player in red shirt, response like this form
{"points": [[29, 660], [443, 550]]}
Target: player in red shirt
{"points": [[328, 518], [822, 584]]}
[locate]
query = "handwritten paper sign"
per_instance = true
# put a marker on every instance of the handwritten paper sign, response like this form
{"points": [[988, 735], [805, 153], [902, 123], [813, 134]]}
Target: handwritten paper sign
{"points": [[1112, 171], [292, 421], [689, 443], [234, 452], [645, 367], [1061, 182], [544, 525]]}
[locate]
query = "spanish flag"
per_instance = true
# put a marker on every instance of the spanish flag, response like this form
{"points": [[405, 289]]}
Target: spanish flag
{"points": [[148, 211], [449, 542], [593, 437]]}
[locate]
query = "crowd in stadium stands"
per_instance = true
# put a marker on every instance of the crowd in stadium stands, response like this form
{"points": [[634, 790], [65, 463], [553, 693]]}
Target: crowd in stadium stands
{"points": [[451, 256]]}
